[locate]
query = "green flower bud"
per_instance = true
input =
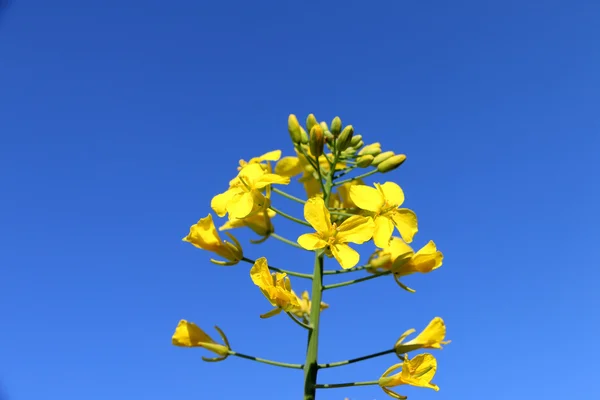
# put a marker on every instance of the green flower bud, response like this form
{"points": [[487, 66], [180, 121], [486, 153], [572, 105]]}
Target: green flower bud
{"points": [[311, 121], [328, 137], [324, 126], [391, 163], [373, 149], [316, 141], [382, 157], [345, 137], [294, 129], [355, 140], [359, 145], [364, 161], [304, 136], [336, 126]]}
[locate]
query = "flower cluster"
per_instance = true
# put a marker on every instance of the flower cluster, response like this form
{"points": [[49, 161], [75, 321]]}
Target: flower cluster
{"points": [[342, 213]]}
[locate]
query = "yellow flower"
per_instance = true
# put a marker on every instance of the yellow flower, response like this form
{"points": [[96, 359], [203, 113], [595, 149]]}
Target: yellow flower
{"points": [[204, 235], [432, 337], [304, 310], [244, 196], [275, 286], [383, 259], [427, 259], [356, 229], [188, 334], [383, 201], [274, 155], [259, 223], [416, 372]]}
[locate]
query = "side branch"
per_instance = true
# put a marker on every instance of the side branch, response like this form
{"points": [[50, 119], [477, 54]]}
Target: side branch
{"points": [[366, 174], [347, 384], [346, 283], [265, 361], [287, 195], [288, 216], [274, 269], [354, 360]]}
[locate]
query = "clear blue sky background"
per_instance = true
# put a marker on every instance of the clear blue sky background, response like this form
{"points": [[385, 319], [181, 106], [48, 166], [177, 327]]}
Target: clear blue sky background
{"points": [[121, 119]]}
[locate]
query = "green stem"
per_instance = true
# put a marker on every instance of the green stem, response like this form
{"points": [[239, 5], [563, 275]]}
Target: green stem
{"points": [[344, 271], [310, 365], [287, 241], [341, 213], [296, 320], [353, 360], [289, 196], [346, 283], [373, 171], [341, 385], [285, 271], [284, 215], [265, 361]]}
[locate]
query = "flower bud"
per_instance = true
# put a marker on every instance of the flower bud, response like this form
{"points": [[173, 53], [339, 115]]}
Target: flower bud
{"points": [[294, 129], [324, 126], [310, 121], [355, 140], [336, 126], [316, 141], [349, 152], [382, 157], [345, 137], [328, 137], [364, 161], [304, 136], [359, 145], [373, 149], [391, 163]]}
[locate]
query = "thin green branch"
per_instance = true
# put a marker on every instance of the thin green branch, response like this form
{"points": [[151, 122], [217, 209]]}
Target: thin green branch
{"points": [[296, 320], [346, 283], [287, 195], [285, 271], [347, 384], [265, 361], [287, 241], [354, 360], [366, 174], [288, 216], [345, 271], [341, 213]]}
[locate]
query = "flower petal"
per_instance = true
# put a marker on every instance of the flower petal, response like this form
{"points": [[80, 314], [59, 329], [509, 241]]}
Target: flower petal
{"points": [[384, 228], [366, 198], [204, 234], [356, 229], [311, 241], [345, 255], [289, 166], [420, 371], [220, 201], [271, 156], [317, 215], [188, 334], [260, 274], [432, 336], [241, 205], [406, 223], [393, 193], [270, 179]]}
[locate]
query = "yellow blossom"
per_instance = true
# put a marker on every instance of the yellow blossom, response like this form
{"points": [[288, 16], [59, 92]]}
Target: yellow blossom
{"points": [[432, 337], [244, 196], [188, 334], [204, 235], [274, 155], [259, 223], [416, 372], [304, 310], [356, 229], [427, 259], [383, 201], [275, 286]]}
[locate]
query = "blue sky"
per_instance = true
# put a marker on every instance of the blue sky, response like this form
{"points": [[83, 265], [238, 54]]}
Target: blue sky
{"points": [[121, 119]]}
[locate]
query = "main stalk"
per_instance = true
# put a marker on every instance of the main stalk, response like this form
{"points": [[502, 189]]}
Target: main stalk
{"points": [[310, 365]]}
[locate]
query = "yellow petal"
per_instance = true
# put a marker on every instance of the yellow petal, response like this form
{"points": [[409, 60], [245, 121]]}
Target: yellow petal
{"points": [[204, 234], [406, 223], [270, 179], [384, 227], [271, 156], [188, 334], [393, 193], [399, 248], [432, 336], [366, 198], [428, 258], [241, 205], [356, 229], [289, 166], [260, 274], [220, 201], [345, 255], [311, 241], [420, 371], [312, 187], [318, 216]]}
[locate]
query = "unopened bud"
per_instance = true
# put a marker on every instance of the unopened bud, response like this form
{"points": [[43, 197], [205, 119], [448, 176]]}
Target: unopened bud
{"points": [[382, 157], [336, 126], [304, 136], [324, 126], [373, 149], [328, 137], [355, 140], [311, 121], [316, 141], [349, 152], [343, 141], [364, 161], [294, 129], [391, 163], [359, 145]]}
